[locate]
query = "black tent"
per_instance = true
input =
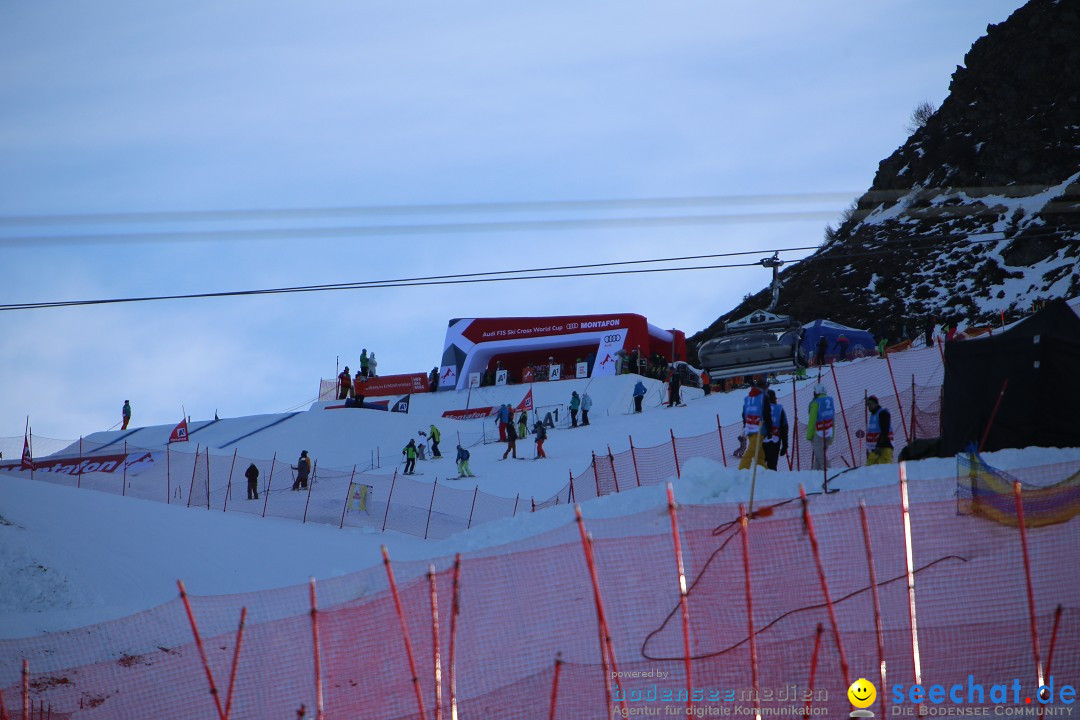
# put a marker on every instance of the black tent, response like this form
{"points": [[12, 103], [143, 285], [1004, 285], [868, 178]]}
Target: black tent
{"points": [[1039, 357]]}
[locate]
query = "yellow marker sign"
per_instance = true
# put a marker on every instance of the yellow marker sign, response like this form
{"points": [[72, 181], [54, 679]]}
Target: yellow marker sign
{"points": [[862, 693]]}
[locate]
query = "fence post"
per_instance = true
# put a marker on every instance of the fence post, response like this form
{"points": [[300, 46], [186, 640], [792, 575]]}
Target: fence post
{"points": [[912, 436], [315, 644], [682, 596], [910, 571], [194, 467], [633, 456], [596, 474], [348, 494], [431, 505], [808, 522], [570, 494], [404, 633], [473, 508], [78, 482], [228, 485], [269, 479], [796, 433], [899, 404], [123, 489], [310, 487], [207, 475], [388, 496], [26, 688], [878, 630], [843, 414], [615, 475], [514, 514], [675, 452], [168, 474], [720, 432], [750, 608], [1017, 492]]}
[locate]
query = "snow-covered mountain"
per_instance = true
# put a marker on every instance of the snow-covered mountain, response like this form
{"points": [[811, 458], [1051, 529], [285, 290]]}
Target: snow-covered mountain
{"points": [[978, 213]]}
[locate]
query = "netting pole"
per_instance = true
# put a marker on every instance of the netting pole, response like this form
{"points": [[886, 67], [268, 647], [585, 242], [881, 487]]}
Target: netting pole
{"points": [[743, 530], [796, 433], [348, 494], [843, 414], [168, 475], [78, 482], [993, 414], [25, 689], [435, 657], [404, 633], [454, 609], [675, 452], [3, 708], [310, 487], [317, 650], [472, 509], [570, 492], [913, 433], [194, 467], [899, 404], [596, 474], [555, 685], [431, 505], [123, 488], [720, 432], [1017, 493], [682, 597], [878, 628], [207, 475], [228, 485], [813, 667], [269, 479], [910, 568], [389, 495], [1053, 639], [809, 520], [516, 499], [236, 661], [601, 618], [202, 650], [614, 475]]}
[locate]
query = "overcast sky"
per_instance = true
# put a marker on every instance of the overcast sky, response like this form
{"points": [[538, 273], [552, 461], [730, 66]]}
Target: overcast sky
{"points": [[114, 108]]}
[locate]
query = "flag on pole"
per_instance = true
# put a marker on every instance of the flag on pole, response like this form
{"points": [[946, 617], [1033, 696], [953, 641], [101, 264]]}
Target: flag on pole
{"points": [[179, 433], [402, 405], [526, 402], [27, 453]]}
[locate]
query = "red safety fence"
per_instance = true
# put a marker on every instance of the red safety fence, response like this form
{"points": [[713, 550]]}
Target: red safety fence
{"points": [[805, 570]]}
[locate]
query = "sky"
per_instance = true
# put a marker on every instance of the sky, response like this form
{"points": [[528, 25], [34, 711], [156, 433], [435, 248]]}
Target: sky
{"points": [[332, 132]]}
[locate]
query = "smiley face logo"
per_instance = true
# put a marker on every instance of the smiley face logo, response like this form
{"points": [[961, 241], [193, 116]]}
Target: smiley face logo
{"points": [[862, 693]]}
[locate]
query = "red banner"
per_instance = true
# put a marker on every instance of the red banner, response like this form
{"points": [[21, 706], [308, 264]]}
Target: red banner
{"points": [[396, 385], [470, 414], [74, 466]]}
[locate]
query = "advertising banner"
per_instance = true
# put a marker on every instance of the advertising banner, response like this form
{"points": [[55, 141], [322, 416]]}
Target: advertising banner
{"points": [[404, 384], [500, 377], [581, 370], [611, 343]]}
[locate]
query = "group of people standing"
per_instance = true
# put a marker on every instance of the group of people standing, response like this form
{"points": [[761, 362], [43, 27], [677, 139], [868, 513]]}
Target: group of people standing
{"points": [[300, 482], [353, 387]]}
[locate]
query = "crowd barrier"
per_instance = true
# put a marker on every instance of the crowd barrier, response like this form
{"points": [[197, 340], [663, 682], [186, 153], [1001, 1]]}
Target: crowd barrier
{"points": [[782, 613], [359, 497]]}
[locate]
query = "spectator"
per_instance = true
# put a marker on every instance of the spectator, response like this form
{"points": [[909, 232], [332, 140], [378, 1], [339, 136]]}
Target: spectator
{"points": [[706, 382], [409, 451], [502, 419], [372, 365], [819, 426], [822, 347], [436, 436], [841, 346], [303, 470], [523, 424], [358, 390], [344, 384], [639, 395], [590, 360], [433, 379], [463, 463], [575, 403], [125, 413], [252, 475], [879, 434], [673, 388], [776, 444], [634, 355], [541, 436], [882, 345], [757, 420], [511, 441], [586, 406], [364, 362], [929, 333]]}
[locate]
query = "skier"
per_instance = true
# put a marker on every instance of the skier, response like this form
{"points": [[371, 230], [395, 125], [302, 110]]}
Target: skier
{"points": [[756, 422], [523, 424], [586, 406], [344, 384], [575, 403], [819, 426], [252, 475], [822, 347], [502, 419], [436, 436], [409, 451], [126, 414], [673, 388], [878, 434], [776, 444], [511, 441], [639, 395], [463, 463], [303, 470], [541, 436], [841, 345], [364, 362]]}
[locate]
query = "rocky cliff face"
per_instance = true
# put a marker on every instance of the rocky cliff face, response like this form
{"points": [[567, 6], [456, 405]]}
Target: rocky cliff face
{"points": [[979, 212]]}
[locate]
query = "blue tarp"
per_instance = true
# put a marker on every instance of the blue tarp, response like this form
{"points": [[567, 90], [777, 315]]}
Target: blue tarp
{"points": [[860, 342]]}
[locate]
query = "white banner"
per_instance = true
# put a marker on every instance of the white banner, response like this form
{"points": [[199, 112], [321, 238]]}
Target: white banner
{"points": [[500, 377], [611, 343], [581, 370], [555, 372], [447, 377], [474, 380]]}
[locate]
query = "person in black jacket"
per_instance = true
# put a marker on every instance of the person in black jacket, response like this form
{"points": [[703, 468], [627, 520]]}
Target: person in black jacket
{"points": [[303, 470], [776, 443], [252, 475]]}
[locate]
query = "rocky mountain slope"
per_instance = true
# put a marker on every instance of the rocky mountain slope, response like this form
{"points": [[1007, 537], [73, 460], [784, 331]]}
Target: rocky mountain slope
{"points": [[979, 212]]}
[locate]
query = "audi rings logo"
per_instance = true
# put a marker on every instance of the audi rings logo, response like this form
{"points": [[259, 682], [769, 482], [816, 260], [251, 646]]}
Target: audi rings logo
{"points": [[572, 326]]}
